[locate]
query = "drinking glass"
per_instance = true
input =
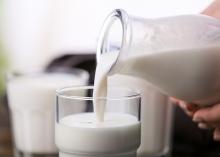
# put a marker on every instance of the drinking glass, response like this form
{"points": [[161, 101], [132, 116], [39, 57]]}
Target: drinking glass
{"points": [[31, 99], [79, 134]]}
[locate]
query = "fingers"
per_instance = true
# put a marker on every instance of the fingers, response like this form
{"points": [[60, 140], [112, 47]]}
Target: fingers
{"points": [[207, 118], [204, 126], [191, 107], [213, 9], [184, 107], [209, 115], [188, 108], [174, 100]]}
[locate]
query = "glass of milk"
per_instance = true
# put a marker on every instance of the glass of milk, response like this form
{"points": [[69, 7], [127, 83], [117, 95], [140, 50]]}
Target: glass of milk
{"points": [[80, 134], [31, 99]]}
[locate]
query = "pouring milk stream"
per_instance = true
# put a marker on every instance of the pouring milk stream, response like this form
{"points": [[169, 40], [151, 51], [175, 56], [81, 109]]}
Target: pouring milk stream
{"points": [[179, 56]]}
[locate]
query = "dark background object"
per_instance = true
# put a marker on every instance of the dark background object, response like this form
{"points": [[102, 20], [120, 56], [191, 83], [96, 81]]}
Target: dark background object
{"points": [[86, 62], [189, 140], [67, 64]]}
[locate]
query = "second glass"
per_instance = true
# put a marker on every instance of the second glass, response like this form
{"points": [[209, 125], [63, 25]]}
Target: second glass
{"points": [[78, 134], [31, 99]]}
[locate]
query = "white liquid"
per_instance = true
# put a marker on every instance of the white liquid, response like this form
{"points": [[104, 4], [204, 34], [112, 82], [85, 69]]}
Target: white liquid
{"points": [[156, 115], [155, 112], [100, 84], [81, 134], [99, 134], [170, 58], [190, 74], [31, 101]]}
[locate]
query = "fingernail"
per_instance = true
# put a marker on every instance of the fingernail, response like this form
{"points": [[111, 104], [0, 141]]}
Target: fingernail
{"points": [[182, 105], [203, 126], [197, 119], [192, 107]]}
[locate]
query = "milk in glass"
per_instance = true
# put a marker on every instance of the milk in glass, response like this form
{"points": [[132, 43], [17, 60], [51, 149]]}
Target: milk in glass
{"points": [[99, 134], [80, 134], [31, 102]]}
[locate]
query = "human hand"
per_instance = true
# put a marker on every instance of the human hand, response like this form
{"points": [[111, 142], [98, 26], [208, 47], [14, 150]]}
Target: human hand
{"points": [[209, 117], [188, 108], [206, 117], [213, 9]]}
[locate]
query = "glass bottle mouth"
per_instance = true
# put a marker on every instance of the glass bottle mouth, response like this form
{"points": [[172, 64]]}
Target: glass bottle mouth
{"points": [[114, 35]]}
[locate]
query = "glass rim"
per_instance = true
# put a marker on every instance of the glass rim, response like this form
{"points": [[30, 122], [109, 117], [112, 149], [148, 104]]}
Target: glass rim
{"points": [[83, 74], [59, 93]]}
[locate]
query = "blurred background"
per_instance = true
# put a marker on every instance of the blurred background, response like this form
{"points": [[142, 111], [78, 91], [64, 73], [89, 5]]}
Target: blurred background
{"points": [[35, 32], [41, 34]]}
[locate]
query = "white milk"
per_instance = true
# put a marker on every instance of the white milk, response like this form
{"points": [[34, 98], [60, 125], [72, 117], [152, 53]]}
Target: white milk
{"points": [[99, 134], [156, 115], [100, 84], [81, 135], [155, 112], [191, 74], [31, 101]]}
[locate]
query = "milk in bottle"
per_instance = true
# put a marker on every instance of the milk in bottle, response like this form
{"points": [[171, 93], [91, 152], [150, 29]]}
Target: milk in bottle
{"points": [[177, 56]]}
